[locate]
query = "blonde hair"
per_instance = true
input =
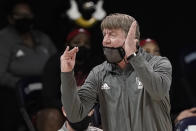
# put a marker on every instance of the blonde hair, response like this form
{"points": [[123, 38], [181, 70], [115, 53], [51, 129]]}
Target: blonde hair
{"points": [[119, 21]]}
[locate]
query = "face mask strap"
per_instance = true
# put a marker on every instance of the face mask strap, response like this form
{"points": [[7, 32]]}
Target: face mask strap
{"points": [[122, 51]]}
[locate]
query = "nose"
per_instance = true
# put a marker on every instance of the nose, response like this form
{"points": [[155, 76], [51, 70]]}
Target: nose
{"points": [[106, 40]]}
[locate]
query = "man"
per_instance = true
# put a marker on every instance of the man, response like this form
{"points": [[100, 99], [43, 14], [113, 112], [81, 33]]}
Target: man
{"points": [[24, 49], [132, 86], [24, 52]]}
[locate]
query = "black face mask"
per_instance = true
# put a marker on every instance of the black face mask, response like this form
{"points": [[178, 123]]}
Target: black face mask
{"points": [[83, 55], [23, 25], [114, 55], [82, 125], [83, 59]]}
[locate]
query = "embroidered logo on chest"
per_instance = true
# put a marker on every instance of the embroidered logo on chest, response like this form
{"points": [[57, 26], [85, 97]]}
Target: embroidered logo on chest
{"points": [[19, 53], [105, 87], [139, 83]]}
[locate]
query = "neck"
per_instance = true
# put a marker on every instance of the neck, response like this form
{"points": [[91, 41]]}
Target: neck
{"points": [[122, 64]]}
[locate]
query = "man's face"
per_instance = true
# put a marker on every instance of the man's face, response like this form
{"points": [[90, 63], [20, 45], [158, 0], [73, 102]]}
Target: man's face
{"points": [[22, 11], [113, 37], [22, 18]]}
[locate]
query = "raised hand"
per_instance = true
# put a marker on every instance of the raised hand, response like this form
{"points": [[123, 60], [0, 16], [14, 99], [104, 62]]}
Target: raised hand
{"points": [[68, 59], [130, 42]]}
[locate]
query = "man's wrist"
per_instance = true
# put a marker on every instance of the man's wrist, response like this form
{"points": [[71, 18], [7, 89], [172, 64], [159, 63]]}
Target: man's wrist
{"points": [[132, 55]]}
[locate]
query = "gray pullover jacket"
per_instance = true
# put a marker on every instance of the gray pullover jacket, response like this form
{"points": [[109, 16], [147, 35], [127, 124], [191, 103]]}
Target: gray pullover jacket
{"points": [[133, 99]]}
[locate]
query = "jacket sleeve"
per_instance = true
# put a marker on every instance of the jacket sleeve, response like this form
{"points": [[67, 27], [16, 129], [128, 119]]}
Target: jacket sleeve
{"points": [[156, 79], [6, 79], [78, 103]]}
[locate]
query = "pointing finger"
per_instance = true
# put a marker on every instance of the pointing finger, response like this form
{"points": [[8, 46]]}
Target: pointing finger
{"points": [[74, 50], [66, 50]]}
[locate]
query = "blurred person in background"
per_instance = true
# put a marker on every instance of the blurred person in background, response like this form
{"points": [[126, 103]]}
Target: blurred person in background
{"points": [[183, 93], [84, 125], [23, 54], [150, 46], [50, 118]]}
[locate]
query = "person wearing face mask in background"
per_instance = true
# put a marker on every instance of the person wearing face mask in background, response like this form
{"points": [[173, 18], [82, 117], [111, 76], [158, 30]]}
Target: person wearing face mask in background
{"points": [[23, 54], [131, 86], [50, 117], [81, 38], [150, 46]]}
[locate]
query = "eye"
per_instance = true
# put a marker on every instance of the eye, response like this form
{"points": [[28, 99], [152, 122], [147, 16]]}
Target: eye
{"points": [[113, 34], [147, 50]]}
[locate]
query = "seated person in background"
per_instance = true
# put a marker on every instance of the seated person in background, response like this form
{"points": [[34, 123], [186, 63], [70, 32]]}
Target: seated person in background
{"points": [[23, 54], [150, 46], [82, 39], [84, 125], [23, 50], [183, 93], [50, 118]]}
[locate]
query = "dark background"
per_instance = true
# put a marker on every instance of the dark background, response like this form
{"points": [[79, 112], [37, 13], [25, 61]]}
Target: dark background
{"points": [[171, 24]]}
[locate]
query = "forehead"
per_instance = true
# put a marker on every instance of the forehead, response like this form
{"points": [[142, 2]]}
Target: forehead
{"points": [[150, 45], [81, 36], [118, 30], [80, 39], [22, 8]]}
